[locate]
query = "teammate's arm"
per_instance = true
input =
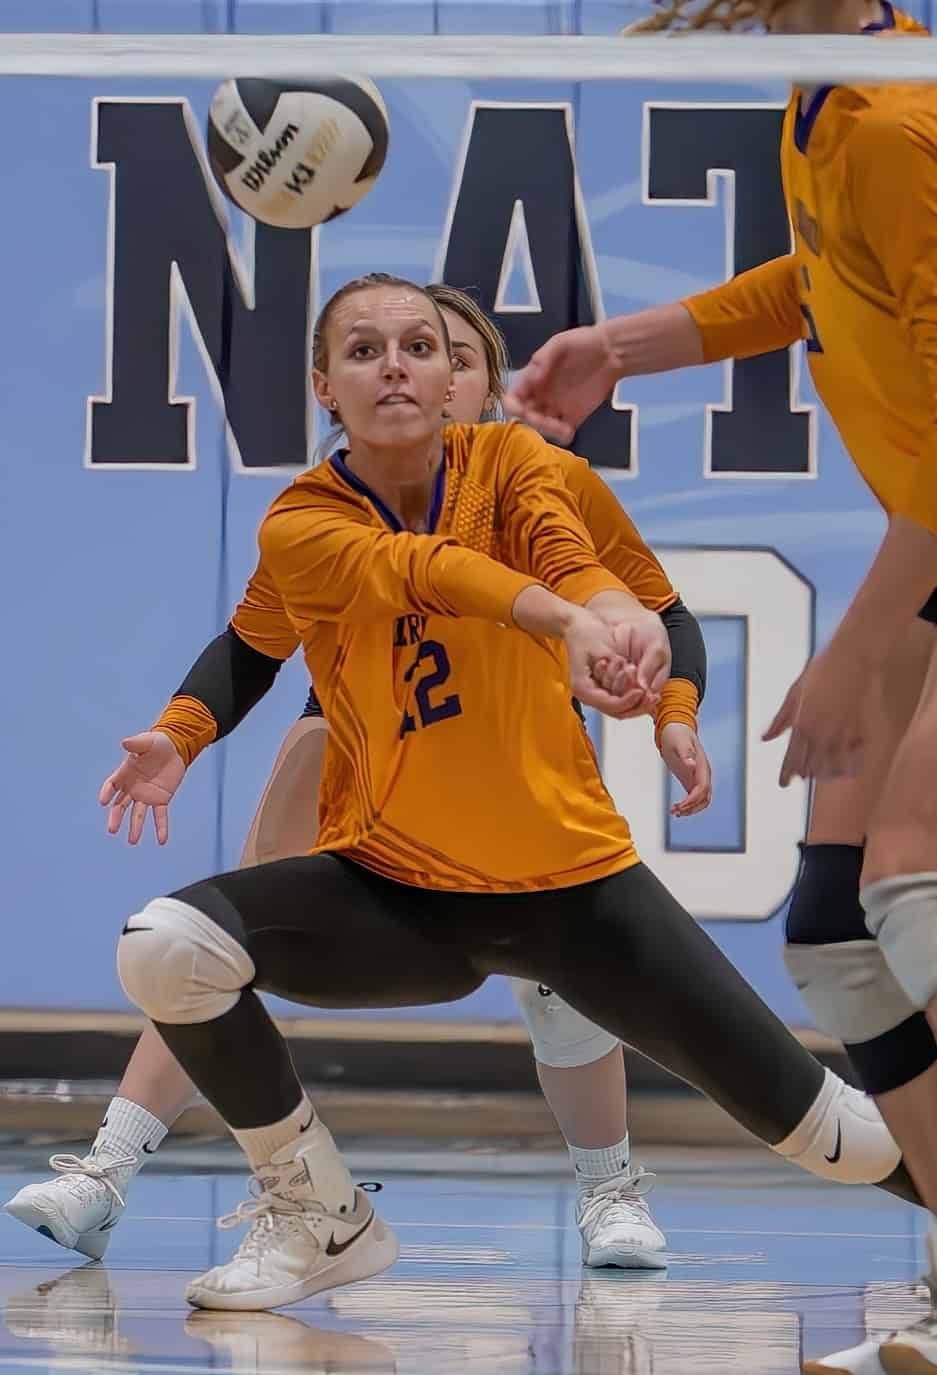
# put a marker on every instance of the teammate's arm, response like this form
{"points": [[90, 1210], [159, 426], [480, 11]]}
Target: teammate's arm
{"points": [[574, 372], [756, 312]]}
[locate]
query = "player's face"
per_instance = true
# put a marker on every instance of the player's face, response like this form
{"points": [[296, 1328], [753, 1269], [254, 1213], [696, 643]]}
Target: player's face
{"points": [[388, 367], [471, 385]]}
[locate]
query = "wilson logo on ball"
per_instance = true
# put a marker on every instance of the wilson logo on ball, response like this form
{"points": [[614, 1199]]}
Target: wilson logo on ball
{"points": [[295, 156], [256, 175]]}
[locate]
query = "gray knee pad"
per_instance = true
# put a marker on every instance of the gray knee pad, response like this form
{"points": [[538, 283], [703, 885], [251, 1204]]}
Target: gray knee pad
{"points": [[856, 999], [849, 988], [901, 913], [179, 966], [560, 1036]]}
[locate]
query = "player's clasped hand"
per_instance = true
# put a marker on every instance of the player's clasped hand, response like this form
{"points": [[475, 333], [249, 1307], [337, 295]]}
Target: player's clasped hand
{"points": [[599, 675], [823, 712], [146, 780], [641, 640], [618, 663]]}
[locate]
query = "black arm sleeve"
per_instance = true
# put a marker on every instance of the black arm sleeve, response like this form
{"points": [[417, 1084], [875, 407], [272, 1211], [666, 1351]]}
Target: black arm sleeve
{"points": [[230, 678], [687, 646]]}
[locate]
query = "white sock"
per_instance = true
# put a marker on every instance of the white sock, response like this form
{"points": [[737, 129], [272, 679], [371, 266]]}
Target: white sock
{"points": [[260, 1144], [596, 1166], [127, 1130]]}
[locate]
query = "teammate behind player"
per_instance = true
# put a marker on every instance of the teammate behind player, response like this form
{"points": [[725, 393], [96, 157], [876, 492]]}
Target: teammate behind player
{"points": [[860, 178], [419, 889]]}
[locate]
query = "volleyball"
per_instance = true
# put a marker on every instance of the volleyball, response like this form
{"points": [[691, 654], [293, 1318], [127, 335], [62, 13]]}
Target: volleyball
{"points": [[295, 155]]}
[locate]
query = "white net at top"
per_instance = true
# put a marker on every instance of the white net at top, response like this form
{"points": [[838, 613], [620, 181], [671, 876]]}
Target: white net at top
{"points": [[697, 56]]}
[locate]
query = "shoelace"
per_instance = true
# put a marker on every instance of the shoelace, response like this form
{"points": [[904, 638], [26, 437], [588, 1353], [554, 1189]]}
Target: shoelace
{"points": [[629, 1188], [93, 1169], [266, 1212]]}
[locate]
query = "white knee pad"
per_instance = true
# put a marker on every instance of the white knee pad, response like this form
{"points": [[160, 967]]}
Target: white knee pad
{"points": [[842, 1137], [849, 988], [560, 1036], [901, 913], [179, 966]]}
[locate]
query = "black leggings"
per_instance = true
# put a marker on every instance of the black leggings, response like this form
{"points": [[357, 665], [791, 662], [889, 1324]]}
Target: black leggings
{"points": [[620, 950]]}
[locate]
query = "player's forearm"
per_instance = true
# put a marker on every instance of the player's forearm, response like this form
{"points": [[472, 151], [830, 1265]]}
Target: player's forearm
{"points": [[611, 606], [657, 340], [541, 612], [902, 577], [225, 682]]}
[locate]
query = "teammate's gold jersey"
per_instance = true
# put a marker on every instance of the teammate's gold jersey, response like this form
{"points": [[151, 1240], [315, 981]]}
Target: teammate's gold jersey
{"points": [[860, 179], [455, 759]]}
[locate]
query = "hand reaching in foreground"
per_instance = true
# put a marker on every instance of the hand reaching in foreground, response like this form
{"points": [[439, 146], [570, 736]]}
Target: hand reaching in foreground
{"points": [[146, 780], [824, 712], [564, 382]]}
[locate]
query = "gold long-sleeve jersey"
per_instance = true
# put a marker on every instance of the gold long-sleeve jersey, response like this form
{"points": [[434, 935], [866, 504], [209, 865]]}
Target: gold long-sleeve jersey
{"points": [[455, 760], [859, 166]]}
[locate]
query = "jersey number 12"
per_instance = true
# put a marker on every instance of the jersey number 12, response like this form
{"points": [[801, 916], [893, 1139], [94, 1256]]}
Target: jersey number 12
{"points": [[429, 711]]}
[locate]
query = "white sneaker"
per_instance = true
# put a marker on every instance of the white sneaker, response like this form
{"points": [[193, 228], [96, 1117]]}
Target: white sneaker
{"points": [[858, 1360], [80, 1209], [311, 1229], [913, 1350], [616, 1226]]}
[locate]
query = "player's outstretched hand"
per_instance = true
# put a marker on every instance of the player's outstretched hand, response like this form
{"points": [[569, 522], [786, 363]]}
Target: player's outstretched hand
{"points": [[823, 711], [686, 759], [564, 382], [146, 779]]}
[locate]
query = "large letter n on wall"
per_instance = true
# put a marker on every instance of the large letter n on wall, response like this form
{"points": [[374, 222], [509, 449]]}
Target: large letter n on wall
{"points": [[168, 247]]}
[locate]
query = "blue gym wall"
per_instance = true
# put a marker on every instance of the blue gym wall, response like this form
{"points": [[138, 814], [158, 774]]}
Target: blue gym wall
{"points": [[112, 581]]}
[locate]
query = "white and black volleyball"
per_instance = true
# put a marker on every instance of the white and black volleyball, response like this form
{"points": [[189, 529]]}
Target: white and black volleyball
{"points": [[295, 155]]}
